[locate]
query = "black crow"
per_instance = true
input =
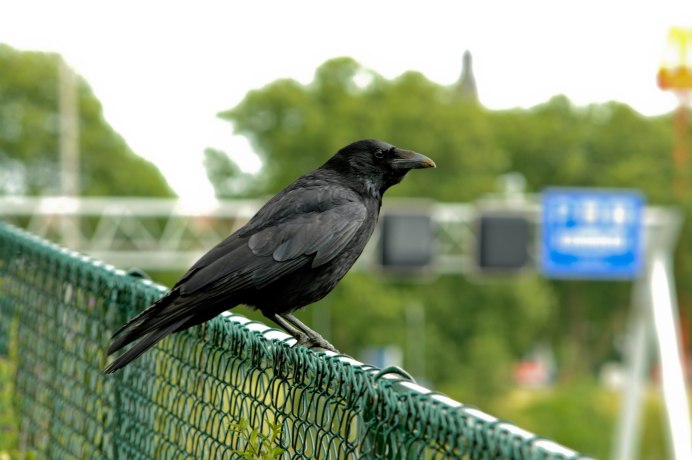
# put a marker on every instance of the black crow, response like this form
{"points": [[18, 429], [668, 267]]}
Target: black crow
{"points": [[290, 254]]}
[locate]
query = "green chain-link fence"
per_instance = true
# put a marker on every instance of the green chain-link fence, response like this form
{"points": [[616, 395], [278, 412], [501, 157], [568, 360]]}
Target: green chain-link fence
{"points": [[210, 392]]}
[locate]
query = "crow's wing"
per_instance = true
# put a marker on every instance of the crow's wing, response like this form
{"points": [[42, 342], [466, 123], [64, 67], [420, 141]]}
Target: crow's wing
{"points": [[276, 242], [294, 229]]}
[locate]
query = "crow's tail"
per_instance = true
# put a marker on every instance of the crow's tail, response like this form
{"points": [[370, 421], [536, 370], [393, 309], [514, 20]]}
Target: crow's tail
{"points": [[147, 328], [141, 346], [171, 313]]}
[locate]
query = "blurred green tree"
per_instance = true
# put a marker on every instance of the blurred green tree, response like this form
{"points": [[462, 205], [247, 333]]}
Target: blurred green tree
{"points": [[228, 180], [296, 127], [602, 145], [29, 136]]}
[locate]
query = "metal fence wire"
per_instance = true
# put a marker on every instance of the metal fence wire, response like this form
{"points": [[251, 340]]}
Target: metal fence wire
{"points": [[226, 388]]}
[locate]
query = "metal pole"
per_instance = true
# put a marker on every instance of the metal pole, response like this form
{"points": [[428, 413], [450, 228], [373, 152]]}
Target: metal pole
{"points": [[415, 340], [655, 314], [69, 149], [680, 144], [664, 229], [69, 131], [664, 309], [626, 446]]}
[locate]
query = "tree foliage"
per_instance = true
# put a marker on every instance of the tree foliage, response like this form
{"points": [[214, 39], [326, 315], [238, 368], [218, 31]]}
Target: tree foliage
{"points": [[603, 145], [29, 136], [295, 127], [228, 180], [473, 331]]}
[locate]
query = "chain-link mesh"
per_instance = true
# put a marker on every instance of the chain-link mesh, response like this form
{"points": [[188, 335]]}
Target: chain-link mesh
{"points": [[229, 386]]}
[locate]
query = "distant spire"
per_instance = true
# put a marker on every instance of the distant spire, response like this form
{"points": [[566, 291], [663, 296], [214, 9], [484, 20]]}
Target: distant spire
{"points": [[466, 86]]}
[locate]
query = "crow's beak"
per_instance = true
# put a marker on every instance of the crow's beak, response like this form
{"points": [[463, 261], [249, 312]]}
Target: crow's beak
{"points": [[408, 159]]}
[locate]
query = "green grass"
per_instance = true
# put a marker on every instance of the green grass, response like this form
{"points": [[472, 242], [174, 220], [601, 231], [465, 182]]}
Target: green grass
{"points": [[9, 432], [583, 416]]}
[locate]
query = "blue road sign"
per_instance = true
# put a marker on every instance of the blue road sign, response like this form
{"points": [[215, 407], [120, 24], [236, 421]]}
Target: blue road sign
{"points": [[591, 233]]}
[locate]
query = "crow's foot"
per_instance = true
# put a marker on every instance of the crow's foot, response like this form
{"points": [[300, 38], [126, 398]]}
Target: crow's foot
{"points": [[315, 342]]}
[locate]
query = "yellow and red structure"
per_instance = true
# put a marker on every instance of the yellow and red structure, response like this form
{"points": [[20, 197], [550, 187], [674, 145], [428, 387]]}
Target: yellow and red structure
{"points": [[675, 75]]}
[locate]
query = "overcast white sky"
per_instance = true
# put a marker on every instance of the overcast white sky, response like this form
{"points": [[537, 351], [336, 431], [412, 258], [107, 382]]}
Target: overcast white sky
{"points": [[163, 70]]}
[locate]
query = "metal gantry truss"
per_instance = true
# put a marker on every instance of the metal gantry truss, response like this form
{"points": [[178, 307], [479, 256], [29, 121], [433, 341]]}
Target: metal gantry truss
{"points": [[170, 234]]}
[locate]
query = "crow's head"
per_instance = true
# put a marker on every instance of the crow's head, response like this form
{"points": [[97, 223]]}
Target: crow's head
{"points": [[376, 164]]}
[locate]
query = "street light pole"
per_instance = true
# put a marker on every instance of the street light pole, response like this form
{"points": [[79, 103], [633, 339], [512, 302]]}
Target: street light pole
{"points": [[69, 148]]}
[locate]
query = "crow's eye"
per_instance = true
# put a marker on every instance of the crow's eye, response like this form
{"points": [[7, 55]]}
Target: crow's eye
{"points": [[379, 153]]}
